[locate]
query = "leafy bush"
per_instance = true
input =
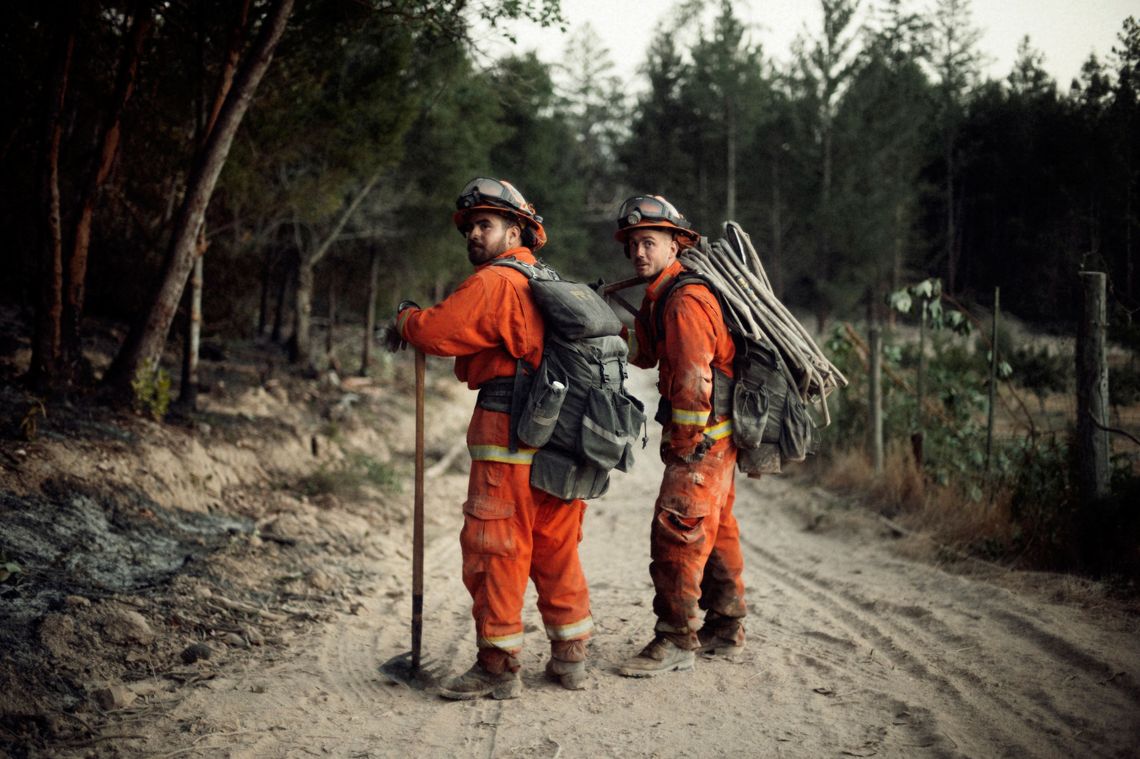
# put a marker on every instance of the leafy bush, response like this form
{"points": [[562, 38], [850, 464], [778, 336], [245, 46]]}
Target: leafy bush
{"points": [[151, 391], [1042, 372]]}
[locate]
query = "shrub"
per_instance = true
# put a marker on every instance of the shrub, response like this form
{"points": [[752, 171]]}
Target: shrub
{"points": [[151, 390]]}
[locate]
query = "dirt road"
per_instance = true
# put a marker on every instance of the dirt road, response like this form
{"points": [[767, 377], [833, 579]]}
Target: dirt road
{"points": [[852, 651]]}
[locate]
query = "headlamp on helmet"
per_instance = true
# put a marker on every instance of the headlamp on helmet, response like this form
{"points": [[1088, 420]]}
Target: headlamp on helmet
{"points": [[500, 196], [653, 212]]}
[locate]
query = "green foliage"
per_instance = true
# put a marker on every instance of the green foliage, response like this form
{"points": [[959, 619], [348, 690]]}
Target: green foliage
{"points": [[928, 295], [151, 392], [10, 571], [1044, 501], [349, 478], [1042, 371]]}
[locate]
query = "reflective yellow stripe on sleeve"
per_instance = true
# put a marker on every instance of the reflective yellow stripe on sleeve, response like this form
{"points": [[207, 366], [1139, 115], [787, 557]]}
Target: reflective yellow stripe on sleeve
{"points": [[684, 416], [719, 431], [501, 453]]}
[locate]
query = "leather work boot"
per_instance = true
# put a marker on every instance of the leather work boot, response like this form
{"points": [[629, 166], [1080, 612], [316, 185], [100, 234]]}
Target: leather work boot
{"points": [[478, 682], [571, 675], [567, 663], [662, 655], [721, 640]]}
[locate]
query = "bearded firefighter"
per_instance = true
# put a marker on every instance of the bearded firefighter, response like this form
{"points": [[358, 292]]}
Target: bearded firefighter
{"points": [[511, 531], [696, 563]]}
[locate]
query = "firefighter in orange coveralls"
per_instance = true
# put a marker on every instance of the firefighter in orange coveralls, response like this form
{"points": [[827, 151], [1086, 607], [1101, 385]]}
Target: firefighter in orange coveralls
{"points": [[511, 530], [696, 561]]}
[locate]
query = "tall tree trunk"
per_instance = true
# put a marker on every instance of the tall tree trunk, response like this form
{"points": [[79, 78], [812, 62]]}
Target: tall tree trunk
{"points": [[730, 160], [307, 262], [302, 316], [188, 395], [143, 348], [266, 278], [73, 363], [951, 227], [288, 270], [370, 310], [46, 344], [775, 270], [330, 334]]}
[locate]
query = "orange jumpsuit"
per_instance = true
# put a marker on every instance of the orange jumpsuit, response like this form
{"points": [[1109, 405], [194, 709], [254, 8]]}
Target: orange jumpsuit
{"points": [[511, 530], [694, 540]]}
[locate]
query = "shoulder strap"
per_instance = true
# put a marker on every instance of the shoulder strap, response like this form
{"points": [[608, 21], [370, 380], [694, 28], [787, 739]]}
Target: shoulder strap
{"points": [[684, 278], [541, 271]]}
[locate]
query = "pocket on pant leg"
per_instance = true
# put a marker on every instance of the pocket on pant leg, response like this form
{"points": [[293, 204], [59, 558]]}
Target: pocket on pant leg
{"points": [[487, 527], [679, 529]]}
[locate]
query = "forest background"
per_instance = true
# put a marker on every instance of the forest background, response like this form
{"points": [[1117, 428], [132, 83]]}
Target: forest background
{"points": [[261, 162]]}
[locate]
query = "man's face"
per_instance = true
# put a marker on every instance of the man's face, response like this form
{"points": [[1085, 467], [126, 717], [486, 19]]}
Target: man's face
{"points": [[489, 235], [650, 251]]}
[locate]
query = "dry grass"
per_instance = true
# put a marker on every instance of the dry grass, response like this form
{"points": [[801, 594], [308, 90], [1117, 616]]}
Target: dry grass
{"points": [[941, 513], [899, 488]]}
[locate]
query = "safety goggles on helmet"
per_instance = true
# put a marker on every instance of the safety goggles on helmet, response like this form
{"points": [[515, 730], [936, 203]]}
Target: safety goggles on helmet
{"points": [[643, 208], [482, 192], [500, 196]]}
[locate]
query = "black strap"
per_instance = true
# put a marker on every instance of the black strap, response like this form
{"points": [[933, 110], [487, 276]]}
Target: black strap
{"points": [[720, 399]]}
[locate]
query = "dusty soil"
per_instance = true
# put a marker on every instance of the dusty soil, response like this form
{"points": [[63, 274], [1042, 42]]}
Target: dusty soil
{"points": [[242, 529]]}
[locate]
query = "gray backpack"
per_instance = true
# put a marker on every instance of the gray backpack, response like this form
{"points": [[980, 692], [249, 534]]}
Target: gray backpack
{"points": [[574, 408]]}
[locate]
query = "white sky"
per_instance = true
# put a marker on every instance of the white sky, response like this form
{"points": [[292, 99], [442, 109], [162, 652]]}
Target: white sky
{"points": [[1066, 31]]}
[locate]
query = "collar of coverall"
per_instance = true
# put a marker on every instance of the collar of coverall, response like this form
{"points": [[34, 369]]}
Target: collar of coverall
{"points": [[522, 254], [659, 285]]}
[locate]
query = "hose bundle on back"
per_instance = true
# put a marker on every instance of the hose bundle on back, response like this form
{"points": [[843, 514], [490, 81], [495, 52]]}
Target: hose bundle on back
{"points": [[732, 266]]}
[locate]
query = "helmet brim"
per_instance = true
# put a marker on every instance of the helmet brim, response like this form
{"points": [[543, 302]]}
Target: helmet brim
{"points": [[689, 236], [459, 218]]}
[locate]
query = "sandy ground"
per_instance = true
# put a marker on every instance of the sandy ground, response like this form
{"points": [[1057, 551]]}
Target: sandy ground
{"points": [[852, 651]]}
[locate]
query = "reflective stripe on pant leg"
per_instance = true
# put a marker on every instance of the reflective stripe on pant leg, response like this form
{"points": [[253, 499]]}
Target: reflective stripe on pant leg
{"points": [[563, 596], [684, 531], [496, 546]]}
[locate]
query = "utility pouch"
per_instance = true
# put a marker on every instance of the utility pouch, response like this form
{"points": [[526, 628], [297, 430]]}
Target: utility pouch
{"points": [[758, 398], [750, 408], [763, 459], [565, 478], [539, 416], [609, 426], [798, 432], [631, 412]]}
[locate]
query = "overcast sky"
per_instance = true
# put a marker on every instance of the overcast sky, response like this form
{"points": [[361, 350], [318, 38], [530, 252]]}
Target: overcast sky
{"points": [[1066, 31]]}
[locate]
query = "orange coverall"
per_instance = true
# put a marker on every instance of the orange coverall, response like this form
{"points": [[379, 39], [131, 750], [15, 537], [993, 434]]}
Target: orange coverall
{"points": [[511, 530], [694, 539]]}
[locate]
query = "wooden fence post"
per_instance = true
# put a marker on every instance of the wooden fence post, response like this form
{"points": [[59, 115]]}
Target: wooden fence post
{"points": [[916, 437], [876, 399], [1092, 390]]}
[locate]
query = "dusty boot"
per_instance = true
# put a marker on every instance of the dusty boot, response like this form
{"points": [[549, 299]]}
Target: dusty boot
{"points": [[567, 664], [721, 636], [494, 674], [662, 655]]}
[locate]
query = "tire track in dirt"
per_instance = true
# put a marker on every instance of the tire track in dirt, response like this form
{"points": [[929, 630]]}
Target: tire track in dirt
{"points": [[958, 645], [852, 652]]}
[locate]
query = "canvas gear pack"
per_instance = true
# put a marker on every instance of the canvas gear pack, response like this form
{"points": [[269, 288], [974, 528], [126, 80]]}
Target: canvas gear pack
{"points": [[574, 408], [778, 367]]}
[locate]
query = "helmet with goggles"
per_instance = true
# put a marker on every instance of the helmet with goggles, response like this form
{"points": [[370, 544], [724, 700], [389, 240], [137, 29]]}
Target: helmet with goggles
{"points": [[653, 212], [499, 196]]}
